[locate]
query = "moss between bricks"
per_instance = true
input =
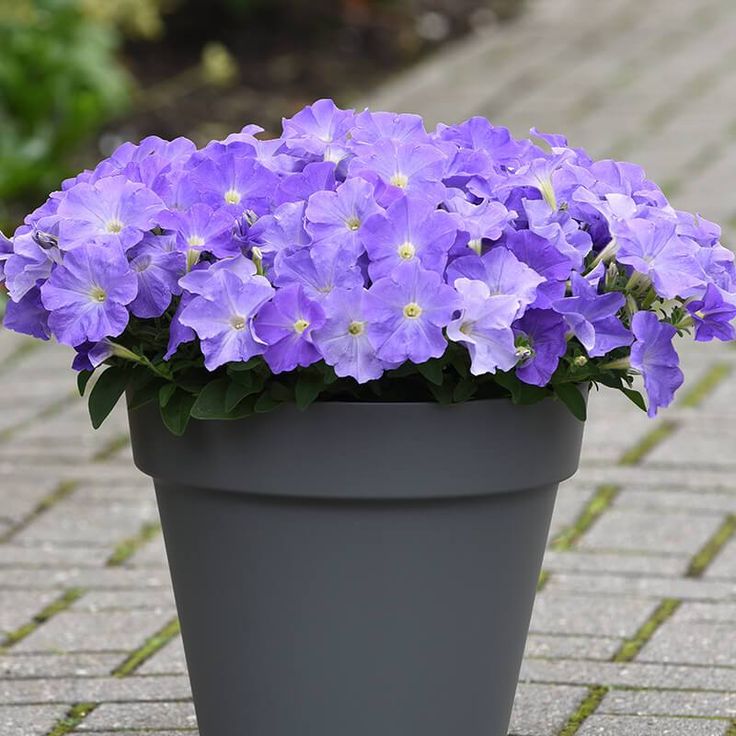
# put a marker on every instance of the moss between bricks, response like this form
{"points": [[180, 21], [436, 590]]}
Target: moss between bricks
{"points": [[731, 729], [601, 500], [590, 704], [76, 714], [111, 449], [651, 439], [128, 547], [59, 605], [47, 412], [710, 550], [631, 647], [152, 645], [716, 375]]}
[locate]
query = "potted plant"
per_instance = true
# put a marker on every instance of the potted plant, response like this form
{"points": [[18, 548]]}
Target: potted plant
{"points": [[439, 303]]}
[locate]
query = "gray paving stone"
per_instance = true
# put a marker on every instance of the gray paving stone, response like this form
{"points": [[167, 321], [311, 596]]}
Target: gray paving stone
{"points": [[542, 710], [685, 642], [140, 716], [105, 578], [27, 720], [50, 555], [47, 666], [168, 661], [614, 562], [669, 702], [579, 614], [707, 612], [572, 647], [724, 565], [159, 599], [83, 631], [657, 532], [17, 607], [650, 726]]}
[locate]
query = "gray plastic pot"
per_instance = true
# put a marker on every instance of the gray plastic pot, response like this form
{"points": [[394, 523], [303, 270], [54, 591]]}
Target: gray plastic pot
{"points": [[358, 569]]}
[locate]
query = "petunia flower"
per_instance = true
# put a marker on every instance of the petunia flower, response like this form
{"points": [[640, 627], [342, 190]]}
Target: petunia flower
{"points": [[319, 130], [654, 356], [484, 327], [542, 334], [713, 315], [28, 315], [201, 229], [87, 295], [406, 313], [158, 266]]}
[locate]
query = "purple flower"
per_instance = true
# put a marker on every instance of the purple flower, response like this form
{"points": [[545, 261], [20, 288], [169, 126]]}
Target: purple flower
{"points": [[223, 321], [315, 177], [652, 247], [112, 211], [558, 228], [238, 183], [592, 317], [87, 294], [478, 224], [411, 228], [6, 249], [286, 324], [318, 269], [91, 354], [201, 229], [540, 333], [371, 127], [158, 266], [484, 326], [28, 315], [654, 356], [712, 315], [281, 231], [406, 314], [28, 264], [502, 272], [338, 217], [179, 333], [319, 129], [343, 339], [397, 168]]}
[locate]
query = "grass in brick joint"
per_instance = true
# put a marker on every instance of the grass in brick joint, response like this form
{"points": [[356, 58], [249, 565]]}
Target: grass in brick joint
{"points": [[57, 606], [152, 645], [649, 442], [128, 547], [700, 390], [710, 550], [601, 500], [590, 704], [76, 714], [631, 647]]}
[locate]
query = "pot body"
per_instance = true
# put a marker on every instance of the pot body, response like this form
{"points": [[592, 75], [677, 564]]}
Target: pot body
{"points": [[358, 569]]}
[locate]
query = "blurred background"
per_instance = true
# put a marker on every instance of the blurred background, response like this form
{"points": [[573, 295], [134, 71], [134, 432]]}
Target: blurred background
{"points": [[78, 77]]}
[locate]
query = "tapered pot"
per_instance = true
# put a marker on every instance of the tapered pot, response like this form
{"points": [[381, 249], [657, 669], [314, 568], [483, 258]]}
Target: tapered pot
{"points": [[358, 569]]}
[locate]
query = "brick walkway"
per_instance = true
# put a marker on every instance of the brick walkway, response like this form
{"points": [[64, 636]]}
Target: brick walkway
{"points": [[633, 631]]}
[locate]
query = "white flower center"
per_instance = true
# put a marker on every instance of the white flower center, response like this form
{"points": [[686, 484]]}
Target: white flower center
{"points": [[141, 263], [300, 325], [237, 322], [400, 180], [412, 310], [114, 226], [196, 240], [356, 328], [548, 191], [475, 244], [98, 294], [406, 251], [232, 196], [353, 223], [467, 328]]}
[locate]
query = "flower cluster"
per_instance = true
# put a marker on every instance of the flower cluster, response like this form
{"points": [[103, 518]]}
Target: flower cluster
{"points": [[362, 242]]}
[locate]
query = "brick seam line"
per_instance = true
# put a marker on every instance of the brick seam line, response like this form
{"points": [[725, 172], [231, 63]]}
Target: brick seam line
{"points": [[23, 350], [731, 731], [587, 707], [49, 411], [633, 645], [64, 601], [129, 546], [706, 555], [150, 646], [112, 448], [707, 384], [599, 502], [74, 716]]}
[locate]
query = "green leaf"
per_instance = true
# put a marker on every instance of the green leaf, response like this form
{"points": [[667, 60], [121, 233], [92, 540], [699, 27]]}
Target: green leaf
{"points": [[442, 394], [241, 389], [83, 379], [465, 390], [106, 393], [266, 403], [143, 395], [570, 395], [635, 397], [165, 393], [248, 365], [308, 388], [176, 413], [432, 370], [210, 404]]}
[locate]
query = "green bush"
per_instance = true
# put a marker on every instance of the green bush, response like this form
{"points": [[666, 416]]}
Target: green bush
{"points": [[59, 82]]}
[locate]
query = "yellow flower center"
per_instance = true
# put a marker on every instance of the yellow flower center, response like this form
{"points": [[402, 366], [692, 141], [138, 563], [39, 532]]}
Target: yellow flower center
{"points": [[232, 197], [98, 294], [400, 180], [353, 223], [406, 251], [475, 244], [114, 226], [412, 310], [195, 241], [356, 328], [237, 322], [466, 328], [300, 325], [548, 192]]}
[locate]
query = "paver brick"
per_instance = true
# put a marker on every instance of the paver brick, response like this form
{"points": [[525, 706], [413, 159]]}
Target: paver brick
{"points": [[671, 702], [542, 710], [651, 726], [120, 716], [29, 720]]}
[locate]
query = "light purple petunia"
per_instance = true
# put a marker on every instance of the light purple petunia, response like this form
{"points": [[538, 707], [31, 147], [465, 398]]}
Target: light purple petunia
{"points": [[28, 316], [592, 317], [484, 327], [712, 315], [542, 334], [158, 266], [201, 229], [87, 295], [300, 186], [281, 231], [28, 264], [112, 211], [339, 217], [411, 228], [478, 224], [406, 313], [654, 356], [319, 130], [343, 339], [286, 324], [223, 320], [6, 249]]}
